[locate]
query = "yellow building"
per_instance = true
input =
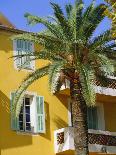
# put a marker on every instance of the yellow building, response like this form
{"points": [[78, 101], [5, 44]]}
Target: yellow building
{"points": [[44, 125]]}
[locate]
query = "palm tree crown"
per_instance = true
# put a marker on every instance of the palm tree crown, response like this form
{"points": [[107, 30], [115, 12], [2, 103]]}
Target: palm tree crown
{"points": [[71, 49]]}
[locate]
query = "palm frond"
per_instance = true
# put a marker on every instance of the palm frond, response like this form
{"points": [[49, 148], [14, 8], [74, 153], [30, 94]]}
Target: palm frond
{"points": [[62, 20], [94, 19], [54, 75], [101, 40], [53, 28], [17, 101], [68, 8], [76, 18], [104, 64], [87, 79], [84, 22], [108, 50]]}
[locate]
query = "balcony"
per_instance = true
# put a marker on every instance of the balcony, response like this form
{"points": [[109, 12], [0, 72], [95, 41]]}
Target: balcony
{"points": [[99, 88], [99, 141]]}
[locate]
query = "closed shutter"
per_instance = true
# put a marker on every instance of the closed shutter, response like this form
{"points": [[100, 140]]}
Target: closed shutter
{"points": [[40, 114], [92, 118], [28, 51], [18, 51], [95, 118], [23, 53], [23, 47], [14, 119]]}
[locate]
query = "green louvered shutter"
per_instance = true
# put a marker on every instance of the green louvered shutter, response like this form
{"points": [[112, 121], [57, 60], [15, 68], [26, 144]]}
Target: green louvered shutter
{"points": [[92, 118], [14, 120], [17, 52], [40, 114], [28, 51]]}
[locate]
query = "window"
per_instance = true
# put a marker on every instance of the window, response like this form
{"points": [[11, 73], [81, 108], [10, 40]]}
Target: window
{"points": [[24, 116], [22, 47], [31, 117], [92, 117], [95, 116]]}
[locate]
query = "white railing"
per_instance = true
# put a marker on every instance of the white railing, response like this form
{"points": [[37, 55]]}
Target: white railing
{"points": [[98, 89], [64, 140]]}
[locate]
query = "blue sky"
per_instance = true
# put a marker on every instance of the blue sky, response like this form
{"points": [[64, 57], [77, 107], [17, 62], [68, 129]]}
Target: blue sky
{"points": [[14, 10]]}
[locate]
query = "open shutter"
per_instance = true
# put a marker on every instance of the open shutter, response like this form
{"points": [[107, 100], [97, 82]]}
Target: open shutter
{"points": [[14, 120], [40, 114]]}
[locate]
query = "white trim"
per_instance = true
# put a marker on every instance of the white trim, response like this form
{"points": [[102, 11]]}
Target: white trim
{"points": [[32, 96], [102, 132], [112, 77], [32, 110], [69, 112], [105, 91]]}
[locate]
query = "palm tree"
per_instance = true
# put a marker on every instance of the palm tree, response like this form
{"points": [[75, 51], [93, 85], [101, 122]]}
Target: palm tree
{"points": [[73, 54], [111, 13]]}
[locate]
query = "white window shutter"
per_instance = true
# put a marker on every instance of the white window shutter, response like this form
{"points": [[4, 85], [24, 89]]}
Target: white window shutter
{"points": [[14, 120], [40, 114]]}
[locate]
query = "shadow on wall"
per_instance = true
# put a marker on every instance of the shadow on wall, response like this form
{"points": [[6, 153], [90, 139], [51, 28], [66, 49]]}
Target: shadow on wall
{"points": [[63, 99], [59, 122], [9, 138]]}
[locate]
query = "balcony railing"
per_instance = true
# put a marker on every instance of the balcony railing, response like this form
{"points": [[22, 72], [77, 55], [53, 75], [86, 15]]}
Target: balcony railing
{"points": [[99, 141], [108, 89]]}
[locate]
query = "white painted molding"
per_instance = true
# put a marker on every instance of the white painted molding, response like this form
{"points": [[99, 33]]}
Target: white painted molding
{"points": [[112, 77], [69, 112], [105, 91], [98, 89]]}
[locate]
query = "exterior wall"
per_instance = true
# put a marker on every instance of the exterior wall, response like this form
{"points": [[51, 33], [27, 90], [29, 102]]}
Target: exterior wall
{"points": [[110, 116], [12, 143], [109, 106]]}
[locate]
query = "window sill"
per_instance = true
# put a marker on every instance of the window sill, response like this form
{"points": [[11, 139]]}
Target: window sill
{"points": [[26, 133], [25, 69]]}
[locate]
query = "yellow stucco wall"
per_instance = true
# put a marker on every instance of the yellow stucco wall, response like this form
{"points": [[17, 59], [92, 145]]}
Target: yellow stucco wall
{"points": [[109, 106], [12, 143], [110, 116]]}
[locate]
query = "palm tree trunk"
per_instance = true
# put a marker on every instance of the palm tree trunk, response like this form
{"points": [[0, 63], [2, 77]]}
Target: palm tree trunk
{"points": [[79, 118]]}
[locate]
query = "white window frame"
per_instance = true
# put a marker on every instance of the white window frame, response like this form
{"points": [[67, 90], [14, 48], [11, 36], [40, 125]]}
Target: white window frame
{"points": [[69, 112], [32, 68], [32, 96], [24, 113]]}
